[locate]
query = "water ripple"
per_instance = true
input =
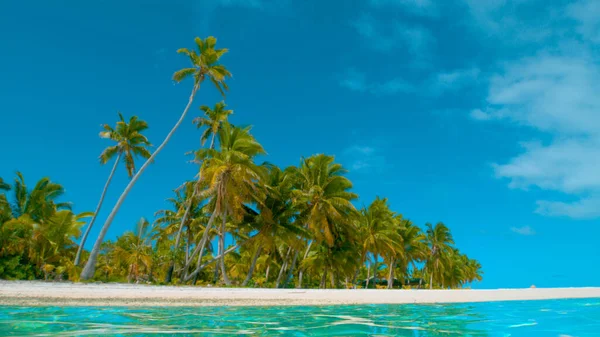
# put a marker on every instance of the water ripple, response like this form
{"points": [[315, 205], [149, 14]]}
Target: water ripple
{"points": [[526, 318]]}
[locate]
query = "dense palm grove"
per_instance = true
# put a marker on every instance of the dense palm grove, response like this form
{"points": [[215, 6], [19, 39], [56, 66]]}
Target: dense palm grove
{"points": [[238, 222]]}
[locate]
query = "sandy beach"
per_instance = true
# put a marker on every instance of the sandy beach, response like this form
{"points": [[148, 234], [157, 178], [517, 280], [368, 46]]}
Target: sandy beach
{"points": [[35, 293]]}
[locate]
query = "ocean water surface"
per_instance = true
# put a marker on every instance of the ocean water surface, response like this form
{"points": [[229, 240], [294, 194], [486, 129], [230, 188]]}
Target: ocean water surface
{"points": [[558, 318]]}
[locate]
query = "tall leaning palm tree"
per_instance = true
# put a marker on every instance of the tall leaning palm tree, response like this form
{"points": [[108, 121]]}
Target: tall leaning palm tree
{"points": [[213, 120], [129, 143], [205, 65]]}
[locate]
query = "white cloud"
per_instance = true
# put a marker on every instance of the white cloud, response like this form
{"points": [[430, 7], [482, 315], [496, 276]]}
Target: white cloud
{"points": [[417, 40], [558, 95], [511, 22], [354, 80], [587, 208], [434, 85], [360, 149], [357, 81], [569, 166], [454, 80], [362, 157], [417, 7], [525, 230], [587, 13], [479, 115], [551, 93], [378, 39], [393, 86]]}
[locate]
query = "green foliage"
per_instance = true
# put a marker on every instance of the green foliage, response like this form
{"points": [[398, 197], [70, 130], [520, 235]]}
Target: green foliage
{"points": [[296, 227], [130, 142], [37, 238]]}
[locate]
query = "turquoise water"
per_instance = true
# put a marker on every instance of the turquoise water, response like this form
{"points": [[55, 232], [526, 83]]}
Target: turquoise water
{"points": [[527, 318]]}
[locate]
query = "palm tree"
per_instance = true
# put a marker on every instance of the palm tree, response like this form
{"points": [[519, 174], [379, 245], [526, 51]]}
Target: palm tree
{"points": [[56, 234], [378, 232], [232, 180], [440, 242], [40, 202], [205, 65], [129, 143], [323, 196], [136, 250], [275, 222], [413, 249], [5, 210], [213, 120]]}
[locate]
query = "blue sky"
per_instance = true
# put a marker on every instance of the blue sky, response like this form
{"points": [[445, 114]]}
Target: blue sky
{"points": [[482, 114]]}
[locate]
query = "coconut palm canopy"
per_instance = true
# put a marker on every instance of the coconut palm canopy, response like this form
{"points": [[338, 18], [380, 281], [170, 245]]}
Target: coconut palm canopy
{"points": [[238, 221]]}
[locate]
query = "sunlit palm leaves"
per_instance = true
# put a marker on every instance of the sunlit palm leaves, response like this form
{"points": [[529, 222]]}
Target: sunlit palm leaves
{"points": [[205, 64], [212, 121], [130, 142]]}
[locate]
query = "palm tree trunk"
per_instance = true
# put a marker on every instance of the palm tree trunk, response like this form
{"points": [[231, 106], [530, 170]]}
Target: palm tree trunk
{"points": [[216, 258], [200, 246], [290, 272], [252, 266], [90, 266], [333, 279], [216, 270], [355, 277], [267, 272], [87, 231], [375, 271], [222, 248], [362, 261], [390, 283], [431, 281], [368, 275], [323, 282], [188, 208], [301, 272], [169, 275], [283, 266]]}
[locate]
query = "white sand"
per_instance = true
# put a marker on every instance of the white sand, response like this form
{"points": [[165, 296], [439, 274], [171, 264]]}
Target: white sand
{"points": [[33, 293]]}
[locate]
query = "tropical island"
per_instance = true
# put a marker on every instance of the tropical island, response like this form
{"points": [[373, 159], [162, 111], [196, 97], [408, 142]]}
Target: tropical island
{"points": [[237, 223]]}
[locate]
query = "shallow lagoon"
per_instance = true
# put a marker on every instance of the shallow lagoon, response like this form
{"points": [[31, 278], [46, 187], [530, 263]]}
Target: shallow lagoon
{"points": [[519, 318]]}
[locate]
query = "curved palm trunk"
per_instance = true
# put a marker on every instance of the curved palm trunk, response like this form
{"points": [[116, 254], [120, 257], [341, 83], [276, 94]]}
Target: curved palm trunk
{"points": [[333, 277], [283, 266], [216, 258], [375, 271], [368, 275], [169, 275], [290, 272], [301, 272], [390, 283], [323, 282], [431, 281], [252, 266], [222, 248], [87, 231], [267, 273], [355, 277], [200, 248], [90, 266], [188, 208]]}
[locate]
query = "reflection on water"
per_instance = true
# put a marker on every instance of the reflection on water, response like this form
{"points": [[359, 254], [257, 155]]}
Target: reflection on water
{"points": [[527, 318]]}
